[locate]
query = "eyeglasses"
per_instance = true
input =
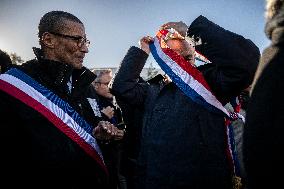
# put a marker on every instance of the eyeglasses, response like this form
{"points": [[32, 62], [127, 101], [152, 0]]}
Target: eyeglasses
{"points": [[173, 34], [79, 39], [103, 83]]}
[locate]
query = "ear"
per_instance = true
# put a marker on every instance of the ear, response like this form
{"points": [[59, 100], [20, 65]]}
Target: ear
{"points": [[48, 40]]}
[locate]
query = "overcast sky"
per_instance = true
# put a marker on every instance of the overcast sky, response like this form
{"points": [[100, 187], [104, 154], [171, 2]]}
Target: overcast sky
{"points": [[113, 26]]}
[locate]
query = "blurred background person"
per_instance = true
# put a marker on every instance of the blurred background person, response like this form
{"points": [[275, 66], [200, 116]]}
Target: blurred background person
{"points": [[264, 127], [108, 110]]}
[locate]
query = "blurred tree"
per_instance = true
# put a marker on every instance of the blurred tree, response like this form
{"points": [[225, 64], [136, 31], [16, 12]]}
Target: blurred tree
{"points": [[5, 61], [16, 59], [152, 71]]}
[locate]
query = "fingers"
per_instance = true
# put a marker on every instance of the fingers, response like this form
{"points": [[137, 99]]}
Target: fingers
{"points": [[103, 131], [106, 131], [147, 39], [108, 128], [144, 43], [108, 111], [119, 134]]}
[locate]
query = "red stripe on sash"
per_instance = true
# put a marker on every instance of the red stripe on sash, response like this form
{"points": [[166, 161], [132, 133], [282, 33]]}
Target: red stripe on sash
{"points": [[29, 101]]}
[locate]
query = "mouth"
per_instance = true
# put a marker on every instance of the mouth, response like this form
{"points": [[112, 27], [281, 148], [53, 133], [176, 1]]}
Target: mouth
{"points": [[81, 59]]}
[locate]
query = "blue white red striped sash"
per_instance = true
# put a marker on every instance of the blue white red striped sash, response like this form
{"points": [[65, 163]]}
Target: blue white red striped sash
{"points": [[192, 83], [185, 76], [19, 85]]}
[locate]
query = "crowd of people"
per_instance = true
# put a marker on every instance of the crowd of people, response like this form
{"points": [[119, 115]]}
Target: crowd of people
{"points": [[215, 125]]}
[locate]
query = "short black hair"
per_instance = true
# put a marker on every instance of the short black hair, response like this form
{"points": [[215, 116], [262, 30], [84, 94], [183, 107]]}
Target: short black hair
{"points": [[53, 21]]}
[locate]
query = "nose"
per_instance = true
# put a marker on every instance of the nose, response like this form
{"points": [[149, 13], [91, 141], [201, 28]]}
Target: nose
{"points": [[84, 49]]}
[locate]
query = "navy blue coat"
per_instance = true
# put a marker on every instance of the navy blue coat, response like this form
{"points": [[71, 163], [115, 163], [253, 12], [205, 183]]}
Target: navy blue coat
{"points": [[182, 143]]}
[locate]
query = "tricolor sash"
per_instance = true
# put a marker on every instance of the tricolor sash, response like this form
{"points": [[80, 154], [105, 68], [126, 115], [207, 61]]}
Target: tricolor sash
{"points": [[24, 88], [192, 83], [185, 76]]}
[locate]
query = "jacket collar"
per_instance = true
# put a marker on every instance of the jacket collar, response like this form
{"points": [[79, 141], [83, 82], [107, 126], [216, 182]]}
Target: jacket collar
{"points": [[57, 74]]}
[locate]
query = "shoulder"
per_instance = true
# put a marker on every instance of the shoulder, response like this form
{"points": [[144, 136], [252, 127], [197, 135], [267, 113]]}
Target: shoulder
{"points": [[29, 67]]}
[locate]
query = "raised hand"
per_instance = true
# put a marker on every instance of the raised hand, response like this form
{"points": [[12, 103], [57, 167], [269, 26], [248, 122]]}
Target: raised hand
{"points": [[108, 111], [144, 43]]}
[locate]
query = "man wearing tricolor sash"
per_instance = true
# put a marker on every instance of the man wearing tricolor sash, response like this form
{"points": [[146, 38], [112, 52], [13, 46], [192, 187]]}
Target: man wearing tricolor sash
{"points": [[48, 129], [184, 141]]}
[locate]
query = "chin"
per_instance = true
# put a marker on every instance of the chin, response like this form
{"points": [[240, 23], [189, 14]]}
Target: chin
{"points": [[77, 65], [109, 96]]}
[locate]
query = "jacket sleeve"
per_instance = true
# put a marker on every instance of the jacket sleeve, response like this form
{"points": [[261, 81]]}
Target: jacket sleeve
{"points": [[234, 58], [127, 84]]}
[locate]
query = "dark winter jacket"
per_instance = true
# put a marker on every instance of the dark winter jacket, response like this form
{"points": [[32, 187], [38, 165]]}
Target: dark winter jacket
{"points": [[182, 143], [264, 128], [33, 150], [112, 149]]}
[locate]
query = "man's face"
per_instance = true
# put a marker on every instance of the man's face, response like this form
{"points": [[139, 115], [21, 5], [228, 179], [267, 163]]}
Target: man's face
{"points": [[69, 50], [102, 86], [183, 48]]}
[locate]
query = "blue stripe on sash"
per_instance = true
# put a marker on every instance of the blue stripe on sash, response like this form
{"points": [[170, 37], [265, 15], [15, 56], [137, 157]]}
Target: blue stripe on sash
{"points": [[52, 97], [181, 84]]}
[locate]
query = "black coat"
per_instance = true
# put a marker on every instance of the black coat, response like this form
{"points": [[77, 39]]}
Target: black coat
{"points": [[112, 149], [33, 150], [182, 143], [264, 128]]}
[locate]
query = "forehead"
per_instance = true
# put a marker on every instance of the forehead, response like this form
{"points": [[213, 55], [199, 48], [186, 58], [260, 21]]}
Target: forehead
{"points": [[106, 77], [73, 27]]}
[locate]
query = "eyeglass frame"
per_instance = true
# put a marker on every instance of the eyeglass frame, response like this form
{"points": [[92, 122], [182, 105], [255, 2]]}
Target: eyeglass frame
{"points": [[174, 34], [103, 83], [79, 39]]}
